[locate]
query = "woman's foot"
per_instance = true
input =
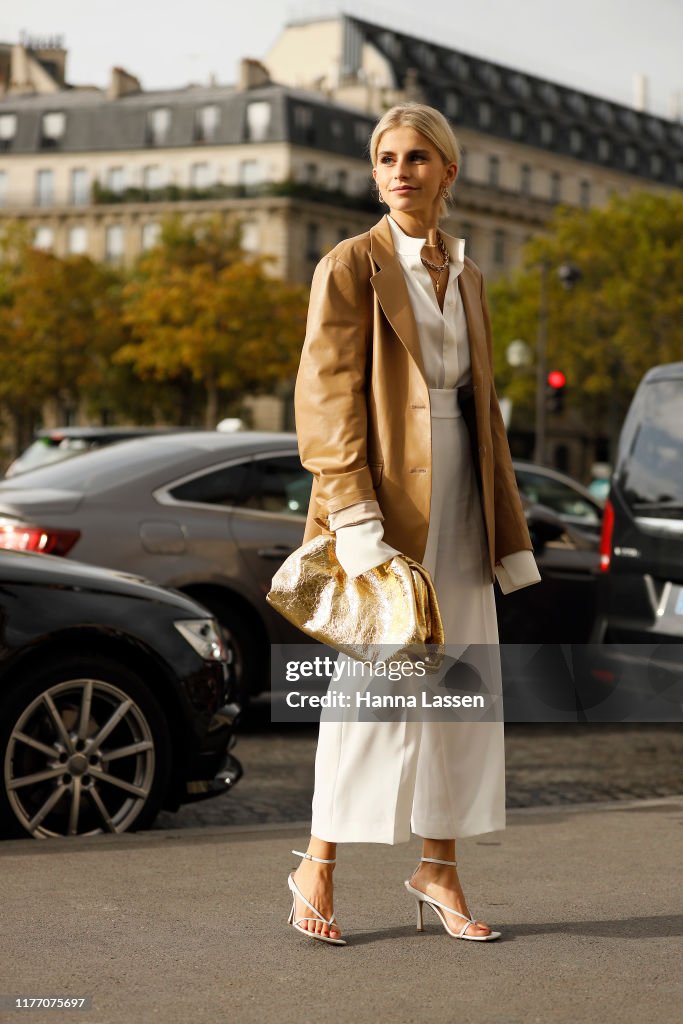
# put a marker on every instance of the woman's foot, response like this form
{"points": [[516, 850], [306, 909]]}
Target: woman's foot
{"points": [[442, 883], [315, 882]]}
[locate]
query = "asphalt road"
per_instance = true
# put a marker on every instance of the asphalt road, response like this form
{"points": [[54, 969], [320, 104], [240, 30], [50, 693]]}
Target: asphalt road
{"points": [[547, 765], [189, 926]]}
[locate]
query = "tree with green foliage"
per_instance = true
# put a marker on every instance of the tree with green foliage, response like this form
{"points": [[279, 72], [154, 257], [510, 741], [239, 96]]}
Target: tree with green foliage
{"points": [[199, 309], [623, 316]]}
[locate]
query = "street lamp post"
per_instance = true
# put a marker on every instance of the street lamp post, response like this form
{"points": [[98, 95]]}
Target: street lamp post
{"points": [[568, 275], [541, 348]]}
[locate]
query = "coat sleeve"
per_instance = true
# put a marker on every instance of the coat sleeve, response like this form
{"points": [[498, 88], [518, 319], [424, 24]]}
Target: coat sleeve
{"points": [[512, 532], [330, 405]]}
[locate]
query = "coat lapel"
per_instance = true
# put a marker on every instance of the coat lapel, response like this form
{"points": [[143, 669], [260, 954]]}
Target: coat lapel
{"points": [[392, 291]]}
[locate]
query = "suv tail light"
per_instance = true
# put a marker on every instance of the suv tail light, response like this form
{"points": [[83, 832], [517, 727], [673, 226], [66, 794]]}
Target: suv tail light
{"points": [[45, 540], [606, 537]]}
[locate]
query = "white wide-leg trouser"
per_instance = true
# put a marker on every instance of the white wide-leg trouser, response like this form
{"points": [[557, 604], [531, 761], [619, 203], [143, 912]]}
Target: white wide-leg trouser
{"points": [[376, 781]]}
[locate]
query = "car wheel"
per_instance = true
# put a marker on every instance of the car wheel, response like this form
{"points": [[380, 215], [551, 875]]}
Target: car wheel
{"points": [[85, 750]]}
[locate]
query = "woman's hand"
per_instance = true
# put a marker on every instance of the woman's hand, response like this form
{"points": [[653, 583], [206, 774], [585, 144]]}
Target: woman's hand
{"points": [[360, 547]]}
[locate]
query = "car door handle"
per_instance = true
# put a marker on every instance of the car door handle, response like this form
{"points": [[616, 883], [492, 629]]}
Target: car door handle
{"points": [[278, 551]]}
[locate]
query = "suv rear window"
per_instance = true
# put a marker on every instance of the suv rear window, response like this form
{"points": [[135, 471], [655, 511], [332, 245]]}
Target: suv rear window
{"points": [[651, 477]]}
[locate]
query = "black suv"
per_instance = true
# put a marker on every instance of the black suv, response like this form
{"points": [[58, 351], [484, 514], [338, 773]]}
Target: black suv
{"points": [[640, 590]]}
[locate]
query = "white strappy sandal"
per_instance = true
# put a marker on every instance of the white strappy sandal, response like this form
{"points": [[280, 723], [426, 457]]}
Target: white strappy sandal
{"points": [[438, 909], [296, 893]]}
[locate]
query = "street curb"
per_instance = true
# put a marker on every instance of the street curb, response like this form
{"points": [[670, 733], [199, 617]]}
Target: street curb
{"points": [[10, 846]]}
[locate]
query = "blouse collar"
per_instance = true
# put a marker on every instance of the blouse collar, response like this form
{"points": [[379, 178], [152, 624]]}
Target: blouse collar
{"points": [[406, 245]]}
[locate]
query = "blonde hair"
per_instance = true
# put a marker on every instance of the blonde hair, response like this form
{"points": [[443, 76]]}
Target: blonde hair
{"points": [[431, 123]]}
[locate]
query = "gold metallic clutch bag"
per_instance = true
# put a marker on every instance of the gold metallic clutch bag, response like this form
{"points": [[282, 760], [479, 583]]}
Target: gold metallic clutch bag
{"points": [[394, 604]]}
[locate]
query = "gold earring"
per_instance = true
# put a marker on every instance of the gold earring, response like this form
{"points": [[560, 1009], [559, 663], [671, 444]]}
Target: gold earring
{"points": [[445, 194]]}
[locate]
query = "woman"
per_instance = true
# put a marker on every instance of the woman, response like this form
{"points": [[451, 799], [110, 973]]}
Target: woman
{"points": [[398, 421]]}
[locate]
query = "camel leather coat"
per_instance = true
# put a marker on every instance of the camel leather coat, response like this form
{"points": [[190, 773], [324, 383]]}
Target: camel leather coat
{"points": [[362, 409]]}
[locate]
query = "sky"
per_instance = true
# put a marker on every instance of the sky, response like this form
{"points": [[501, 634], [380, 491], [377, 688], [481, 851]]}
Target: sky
{"points": [[595, 45]]}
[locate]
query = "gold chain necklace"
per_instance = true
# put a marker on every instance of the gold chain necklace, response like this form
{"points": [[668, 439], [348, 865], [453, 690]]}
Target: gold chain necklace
{"points": [[439, 268]]}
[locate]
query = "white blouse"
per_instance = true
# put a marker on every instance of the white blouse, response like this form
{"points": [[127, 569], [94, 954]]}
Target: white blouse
{"points": [[443, 336]]}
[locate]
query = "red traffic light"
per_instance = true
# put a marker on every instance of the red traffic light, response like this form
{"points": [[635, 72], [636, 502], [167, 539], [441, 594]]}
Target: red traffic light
{"points": [[556, 379]]}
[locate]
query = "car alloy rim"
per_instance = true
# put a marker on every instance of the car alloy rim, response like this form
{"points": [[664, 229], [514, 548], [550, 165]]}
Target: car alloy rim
{"points": [[80, 761]]}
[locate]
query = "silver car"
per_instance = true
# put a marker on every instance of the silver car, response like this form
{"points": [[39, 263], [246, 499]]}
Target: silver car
{"points": [[210, 514], [215, 515]]}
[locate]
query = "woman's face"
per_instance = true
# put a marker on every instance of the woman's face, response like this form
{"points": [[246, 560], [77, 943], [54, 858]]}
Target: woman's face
{"points": [[410, 173]]}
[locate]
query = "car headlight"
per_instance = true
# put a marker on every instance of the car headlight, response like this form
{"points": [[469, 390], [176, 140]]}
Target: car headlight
{"points": [[204, 637]]}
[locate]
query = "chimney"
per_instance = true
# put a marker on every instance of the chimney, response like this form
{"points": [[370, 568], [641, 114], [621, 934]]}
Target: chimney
{"points": [[640, 91], [252, 74], [121, 84]]}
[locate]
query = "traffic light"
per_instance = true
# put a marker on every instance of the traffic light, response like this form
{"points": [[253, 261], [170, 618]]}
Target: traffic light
{"points": [[555, 391]]}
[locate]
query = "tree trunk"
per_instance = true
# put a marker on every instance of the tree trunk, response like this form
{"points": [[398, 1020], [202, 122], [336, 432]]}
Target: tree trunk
{"points": [[211, 414]]}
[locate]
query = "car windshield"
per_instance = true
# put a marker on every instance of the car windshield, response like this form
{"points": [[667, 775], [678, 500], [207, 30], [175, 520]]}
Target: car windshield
{"points": [[46, 450], [556, 495], [652, 473], [106, 467]]}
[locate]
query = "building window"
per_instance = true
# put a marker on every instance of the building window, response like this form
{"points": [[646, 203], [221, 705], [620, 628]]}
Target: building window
{"points": [[8, 127], [604, 148], [494, 171], [631, 157], [249, 236], [485, 114], [575, 140], [516, 123], [342, 181], [52, 127], [584, 194], [337, 129], [250, 173], [312, 242], [80, 193], [158, 125], [113, 242], [525, 179], [361, 132], [303, 117], [258, 120], [310, 173], [151, 233], [206, 123], [678, 171], [115, 179], [462, 169], [44, 238], [152, 177], [547, 133], [77, 240], [656, 164], [498, 247], [555, 186], [452, 104], [45, 188], [201, 176]]}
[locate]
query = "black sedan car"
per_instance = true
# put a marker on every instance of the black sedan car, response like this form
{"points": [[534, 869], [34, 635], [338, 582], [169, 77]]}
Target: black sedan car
{"points": [[115, 700]]}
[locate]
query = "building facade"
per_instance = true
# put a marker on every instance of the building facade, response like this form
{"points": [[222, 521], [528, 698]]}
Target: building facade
{"points": [[285, 150]]}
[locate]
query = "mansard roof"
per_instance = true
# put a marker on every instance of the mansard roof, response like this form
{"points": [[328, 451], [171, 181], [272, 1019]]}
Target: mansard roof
{"points": [[510, 103], [93, 122]]}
